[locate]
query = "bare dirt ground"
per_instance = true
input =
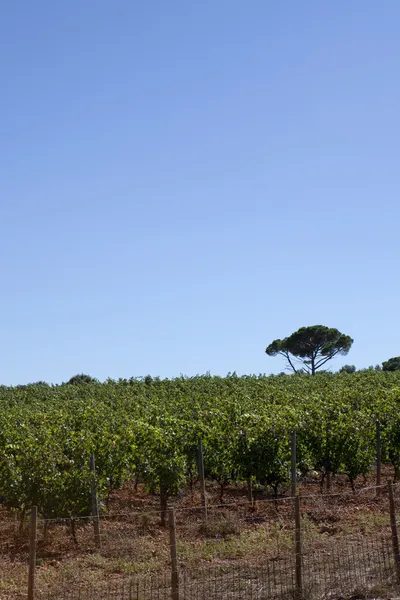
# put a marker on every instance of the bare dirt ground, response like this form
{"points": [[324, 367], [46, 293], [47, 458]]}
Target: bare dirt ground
{"points": [[240, 551]]}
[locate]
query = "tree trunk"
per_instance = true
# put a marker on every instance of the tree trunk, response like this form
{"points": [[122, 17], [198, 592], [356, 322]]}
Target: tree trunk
{"points": [[221, 492], [163, 504], [73, 531], [353, 487], [191, 487], [328, 480], [249, 490], [45, 531]]}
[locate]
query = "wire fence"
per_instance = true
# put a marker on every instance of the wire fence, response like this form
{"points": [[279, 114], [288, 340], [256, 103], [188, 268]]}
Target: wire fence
{"points": [[337, 546]]}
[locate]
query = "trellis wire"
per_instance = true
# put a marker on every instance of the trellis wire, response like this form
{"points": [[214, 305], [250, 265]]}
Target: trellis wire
{"points": [[355, 563]]}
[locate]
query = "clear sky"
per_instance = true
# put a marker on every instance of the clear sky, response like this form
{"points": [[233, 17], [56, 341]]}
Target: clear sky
{"points": [[183, 182]]}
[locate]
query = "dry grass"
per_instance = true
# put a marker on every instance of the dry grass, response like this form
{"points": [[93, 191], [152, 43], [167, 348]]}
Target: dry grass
{"points": [[346, 543]]}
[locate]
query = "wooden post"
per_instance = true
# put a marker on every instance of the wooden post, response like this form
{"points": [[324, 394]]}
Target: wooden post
{"points": [[299, 557], [32, 553], [293, 469], [393, 524], [174, 554], [200, 464], [378, 458], [95, 506]]}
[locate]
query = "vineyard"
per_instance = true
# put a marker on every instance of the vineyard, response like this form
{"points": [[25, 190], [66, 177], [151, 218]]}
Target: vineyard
{"points": [[144, 436], [147, 431]]}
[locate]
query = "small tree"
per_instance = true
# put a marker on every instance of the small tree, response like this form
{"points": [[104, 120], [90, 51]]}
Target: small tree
{"points": [[348, 369], [311, 346], [79, 379], [393, 364]]}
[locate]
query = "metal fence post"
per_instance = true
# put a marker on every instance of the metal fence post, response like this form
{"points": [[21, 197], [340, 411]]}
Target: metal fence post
{"points": [[174, 554], [32, 553], [298, 548]]}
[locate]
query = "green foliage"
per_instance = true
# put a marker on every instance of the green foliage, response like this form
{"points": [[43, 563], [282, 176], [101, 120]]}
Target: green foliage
{"points": [[22, 387], [312, 346], [151, 430], [45, 450], [348, 369], [393, 364], [79, 379]]}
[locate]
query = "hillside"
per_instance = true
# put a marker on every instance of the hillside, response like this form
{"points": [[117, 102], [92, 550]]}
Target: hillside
{"points": [[148, 430]]}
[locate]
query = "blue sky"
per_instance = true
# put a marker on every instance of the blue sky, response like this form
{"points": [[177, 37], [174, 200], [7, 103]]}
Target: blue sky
{"points": [[183, 182]]}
